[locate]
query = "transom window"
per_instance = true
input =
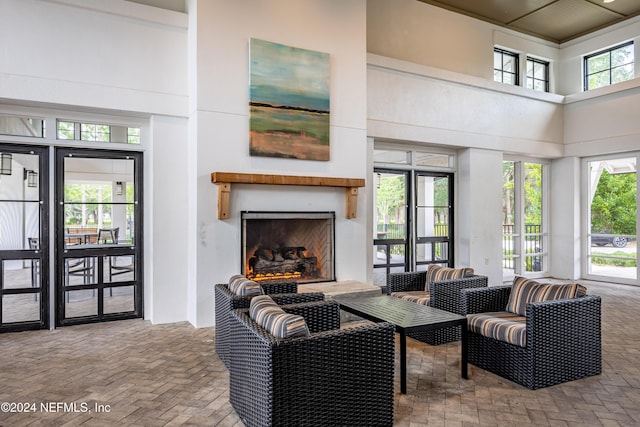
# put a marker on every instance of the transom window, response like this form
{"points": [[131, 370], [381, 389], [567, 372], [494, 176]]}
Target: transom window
{"points": [[505, 66], [97, 132], [537, 74], [609, 66]]}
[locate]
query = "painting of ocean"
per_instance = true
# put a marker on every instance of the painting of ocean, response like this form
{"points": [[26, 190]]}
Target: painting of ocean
{"points": [[288, 101]]}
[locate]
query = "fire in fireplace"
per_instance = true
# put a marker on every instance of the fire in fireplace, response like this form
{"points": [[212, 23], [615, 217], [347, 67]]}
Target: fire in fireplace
{"points": [[288, 245]]}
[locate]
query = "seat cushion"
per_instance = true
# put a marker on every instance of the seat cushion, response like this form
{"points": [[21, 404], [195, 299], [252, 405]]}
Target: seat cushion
{"points": [[419, 297], [502, 326], [437, 273], [525, 291], [266, 313]]}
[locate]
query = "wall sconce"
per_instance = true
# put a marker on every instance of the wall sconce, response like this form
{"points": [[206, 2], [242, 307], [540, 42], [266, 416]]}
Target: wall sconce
{"points": [[5, 164], [32, 179], [119, 188]]}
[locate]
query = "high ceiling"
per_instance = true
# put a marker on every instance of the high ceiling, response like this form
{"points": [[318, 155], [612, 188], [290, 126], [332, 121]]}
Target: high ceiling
{"points": [[555, 20]]}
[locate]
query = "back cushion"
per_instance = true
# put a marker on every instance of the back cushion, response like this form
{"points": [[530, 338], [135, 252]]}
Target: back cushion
{"points": [[525, 291], [240, 285], [436, 273], [266, 313]]}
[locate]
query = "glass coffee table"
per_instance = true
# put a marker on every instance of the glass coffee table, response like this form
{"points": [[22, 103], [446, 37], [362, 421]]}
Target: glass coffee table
{"points": [[408, 317]]}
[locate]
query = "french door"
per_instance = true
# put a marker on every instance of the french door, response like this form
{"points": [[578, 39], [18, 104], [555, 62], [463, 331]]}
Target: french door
{"points": [[413, 216], [98, 235], [24, 230]]}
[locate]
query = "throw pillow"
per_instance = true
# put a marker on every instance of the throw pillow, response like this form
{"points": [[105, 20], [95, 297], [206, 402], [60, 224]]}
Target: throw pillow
{"points": [[266, 313], [437, 273], [525, 291], [244, 287]]}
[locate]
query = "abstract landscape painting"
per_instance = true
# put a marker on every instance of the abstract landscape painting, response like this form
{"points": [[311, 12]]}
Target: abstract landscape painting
{"points": [[288, 102]]}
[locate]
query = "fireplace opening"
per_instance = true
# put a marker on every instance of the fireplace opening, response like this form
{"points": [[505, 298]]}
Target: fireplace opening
{"points": [[288, 246]]}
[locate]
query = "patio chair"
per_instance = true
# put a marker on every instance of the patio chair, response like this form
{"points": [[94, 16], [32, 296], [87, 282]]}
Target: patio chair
{"points": [[443, 294], [555, 341], [330, 377], [225, 301]]}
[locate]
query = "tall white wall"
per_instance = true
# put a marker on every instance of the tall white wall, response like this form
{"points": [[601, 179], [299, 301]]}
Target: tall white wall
{"points": [[224, 28], [479, 212]]}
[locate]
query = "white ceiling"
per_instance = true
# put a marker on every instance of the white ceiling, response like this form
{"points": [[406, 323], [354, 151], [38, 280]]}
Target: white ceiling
{"points": [[555, 20]]}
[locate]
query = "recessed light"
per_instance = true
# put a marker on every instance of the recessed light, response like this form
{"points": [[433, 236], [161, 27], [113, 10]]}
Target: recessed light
{"points": [[609, 1]]}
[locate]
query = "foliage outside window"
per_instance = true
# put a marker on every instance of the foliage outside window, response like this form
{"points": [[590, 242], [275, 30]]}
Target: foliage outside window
{"points": [[505, 66], [613, 209], [537, 74], [97, 132], [608, 67]]}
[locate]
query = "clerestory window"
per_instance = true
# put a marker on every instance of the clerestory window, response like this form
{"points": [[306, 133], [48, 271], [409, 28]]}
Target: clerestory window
{"points": [[609, 66]]}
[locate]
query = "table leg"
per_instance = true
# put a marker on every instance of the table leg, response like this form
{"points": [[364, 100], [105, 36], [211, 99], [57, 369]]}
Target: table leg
{"points": [[403, 362], [463, 351]]}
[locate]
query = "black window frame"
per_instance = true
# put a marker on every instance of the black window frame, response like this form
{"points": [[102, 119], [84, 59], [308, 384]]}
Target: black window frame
{"points": [[585, 64], [532, 78], [516, 73]]}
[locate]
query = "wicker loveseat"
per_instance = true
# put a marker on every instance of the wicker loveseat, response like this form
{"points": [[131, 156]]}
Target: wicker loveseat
{"points": [[440, 293], [556, 340], [331, 377], [226, 300]]}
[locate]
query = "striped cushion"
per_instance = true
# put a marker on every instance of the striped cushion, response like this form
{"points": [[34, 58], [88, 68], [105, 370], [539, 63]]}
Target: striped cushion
{"points": [[265, 312], [502, 326], [437, 273], [242, 286], [525, 291], [419, 297]]}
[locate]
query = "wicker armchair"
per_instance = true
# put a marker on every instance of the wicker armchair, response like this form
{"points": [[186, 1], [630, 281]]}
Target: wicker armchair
{"points": [[282, 293], [444, 295], [563, 341], [334, 377]]}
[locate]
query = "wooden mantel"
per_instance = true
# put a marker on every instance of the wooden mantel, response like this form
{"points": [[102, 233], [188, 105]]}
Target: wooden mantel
{"points": [[225, 179]]}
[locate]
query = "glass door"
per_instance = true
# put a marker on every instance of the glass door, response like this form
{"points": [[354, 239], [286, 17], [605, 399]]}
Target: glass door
{"points": [[24, 234], [98, 236], [612, 217], [391, 222], [405, 198], [434, 215]]}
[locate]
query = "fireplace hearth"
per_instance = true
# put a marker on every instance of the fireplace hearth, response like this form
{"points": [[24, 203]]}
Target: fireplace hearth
{"points": [[288, 246]]}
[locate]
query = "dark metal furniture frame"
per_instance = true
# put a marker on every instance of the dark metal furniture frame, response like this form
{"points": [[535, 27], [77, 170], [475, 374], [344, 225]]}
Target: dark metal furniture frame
{"points": [[225, 301], [563, 339], [445, 295], [408, 318], [334, 377]]}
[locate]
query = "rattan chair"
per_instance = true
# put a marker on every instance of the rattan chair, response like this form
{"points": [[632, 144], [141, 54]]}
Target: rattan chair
{"points": [[225, 301], [563, 341], [444, 295], [334, 377]]}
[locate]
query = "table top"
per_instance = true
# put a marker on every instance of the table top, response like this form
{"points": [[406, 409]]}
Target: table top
{"points": [[404, 314]]}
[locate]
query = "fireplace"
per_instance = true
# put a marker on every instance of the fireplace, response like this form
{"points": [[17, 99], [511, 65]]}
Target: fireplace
{"points": [[288, 246]]}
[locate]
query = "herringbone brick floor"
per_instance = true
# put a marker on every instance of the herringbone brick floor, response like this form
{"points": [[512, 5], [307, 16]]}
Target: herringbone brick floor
{"points": [[132, 373]]}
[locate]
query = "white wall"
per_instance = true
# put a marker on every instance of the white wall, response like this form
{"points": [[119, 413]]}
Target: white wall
{"points": [[564, 211], [224, 28], [479, 212]]}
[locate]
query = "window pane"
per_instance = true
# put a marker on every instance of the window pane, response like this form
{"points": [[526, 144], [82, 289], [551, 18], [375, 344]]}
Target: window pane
{"points": [[530, 68], [497, 76], [622, 56], [598, 63], [497, 60], [509, 79], [540, 71], [430, 159], [599, 80], [541, 86], [621, 74], [392, 156], [66, 130], [509, 63], [530, 83], [21, 126]]}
